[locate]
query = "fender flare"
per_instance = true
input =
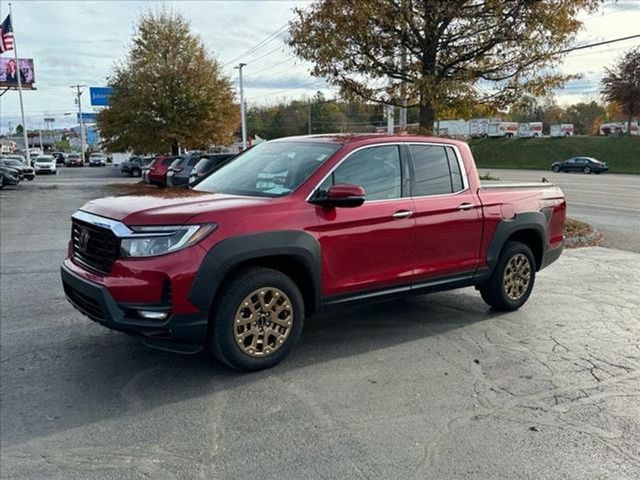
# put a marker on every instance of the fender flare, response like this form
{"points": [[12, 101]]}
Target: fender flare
{"points": [[231, 252], [536, 221]]}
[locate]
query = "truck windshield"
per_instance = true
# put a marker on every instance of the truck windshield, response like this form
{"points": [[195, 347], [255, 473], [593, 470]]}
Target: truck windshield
{"points": [[272, 169]]}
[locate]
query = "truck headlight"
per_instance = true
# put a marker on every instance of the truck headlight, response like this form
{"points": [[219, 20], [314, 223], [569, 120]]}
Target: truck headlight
{"points": [[150, 241]]}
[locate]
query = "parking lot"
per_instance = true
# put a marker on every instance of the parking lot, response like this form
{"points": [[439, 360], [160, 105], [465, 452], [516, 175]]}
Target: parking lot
{"points": [[436, 386]]}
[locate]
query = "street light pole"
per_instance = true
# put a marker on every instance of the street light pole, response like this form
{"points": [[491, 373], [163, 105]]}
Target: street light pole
{"points": [[243, 118], [82, 143]]}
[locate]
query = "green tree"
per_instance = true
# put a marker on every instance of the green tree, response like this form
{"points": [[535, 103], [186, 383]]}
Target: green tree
{"points": [[621, 85], [168, 92], [63, 145], [438, 53], [527, 109], [585, 116], [19, 129]]}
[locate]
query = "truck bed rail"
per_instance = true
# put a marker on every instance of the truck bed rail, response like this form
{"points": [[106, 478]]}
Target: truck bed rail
{"points": [[488, 186]]}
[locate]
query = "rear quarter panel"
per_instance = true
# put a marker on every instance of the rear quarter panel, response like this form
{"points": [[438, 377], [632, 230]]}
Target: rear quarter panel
{"points": [[504, 204]]}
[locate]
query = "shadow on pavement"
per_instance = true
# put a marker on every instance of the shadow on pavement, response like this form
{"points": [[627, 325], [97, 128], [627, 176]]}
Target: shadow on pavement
{"points": [[114, 374]]}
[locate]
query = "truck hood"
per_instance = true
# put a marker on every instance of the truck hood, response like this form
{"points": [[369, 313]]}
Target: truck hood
{"points": [[170, 209]]}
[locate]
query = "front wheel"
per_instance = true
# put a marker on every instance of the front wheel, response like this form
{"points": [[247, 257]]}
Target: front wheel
{"points": [[257, 319], [512, 279], [556, 168]]}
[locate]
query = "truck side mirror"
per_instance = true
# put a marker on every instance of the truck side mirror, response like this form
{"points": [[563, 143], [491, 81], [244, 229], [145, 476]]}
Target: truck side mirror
{"points": [[344, 195]]}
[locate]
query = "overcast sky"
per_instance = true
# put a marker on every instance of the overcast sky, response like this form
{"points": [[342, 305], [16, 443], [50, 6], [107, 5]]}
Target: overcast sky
{"points": [[77, 42]]}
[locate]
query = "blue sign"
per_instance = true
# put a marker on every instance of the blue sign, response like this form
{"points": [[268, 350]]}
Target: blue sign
{"points": [[87, 117], [100, 96], [91, 136]]}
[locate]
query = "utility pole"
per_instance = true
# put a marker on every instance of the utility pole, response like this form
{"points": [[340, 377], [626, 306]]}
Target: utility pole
{"points": [[243, 118], [24, 124], [309, 116], [390, 120], [403, 86], [80, 119]]}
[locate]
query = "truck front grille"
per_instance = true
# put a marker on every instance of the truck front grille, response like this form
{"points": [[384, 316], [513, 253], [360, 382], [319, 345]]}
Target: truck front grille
{"points": [[94, 247]]}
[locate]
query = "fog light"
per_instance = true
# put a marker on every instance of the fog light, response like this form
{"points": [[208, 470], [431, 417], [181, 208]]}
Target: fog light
{"points": [[149, 315]]}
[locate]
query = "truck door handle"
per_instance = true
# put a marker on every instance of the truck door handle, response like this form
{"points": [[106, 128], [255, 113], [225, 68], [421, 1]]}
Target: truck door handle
{"points": [[402, 214], [465, 206]]}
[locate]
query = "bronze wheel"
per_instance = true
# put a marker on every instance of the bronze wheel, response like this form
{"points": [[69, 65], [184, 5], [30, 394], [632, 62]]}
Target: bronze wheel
{"points": [[263, 321], [516, 277], [512, 278], [257, 318]]}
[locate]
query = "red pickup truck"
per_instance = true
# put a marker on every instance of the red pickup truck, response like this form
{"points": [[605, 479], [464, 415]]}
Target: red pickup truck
{"points": [[297, 225]]}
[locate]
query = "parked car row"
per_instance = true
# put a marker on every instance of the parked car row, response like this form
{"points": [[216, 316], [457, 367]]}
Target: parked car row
{"points": [[134, 166], [13, 169], [17, 162], [175, 171]]}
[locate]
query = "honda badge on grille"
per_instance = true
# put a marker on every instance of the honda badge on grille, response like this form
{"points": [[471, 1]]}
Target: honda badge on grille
{"points": [[83, 241]]}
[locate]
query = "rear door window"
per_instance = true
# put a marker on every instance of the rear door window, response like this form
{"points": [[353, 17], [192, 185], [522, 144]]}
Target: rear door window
{"points": [[436, 170]]}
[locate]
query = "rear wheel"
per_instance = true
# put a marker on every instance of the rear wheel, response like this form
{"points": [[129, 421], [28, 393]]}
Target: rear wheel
{"points": [[256, 320], [512, 279], [135, 172], [586, 170]]}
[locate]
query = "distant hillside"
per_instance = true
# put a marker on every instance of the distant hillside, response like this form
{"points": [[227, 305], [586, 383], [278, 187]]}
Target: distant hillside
{"points": [[622, 154]]}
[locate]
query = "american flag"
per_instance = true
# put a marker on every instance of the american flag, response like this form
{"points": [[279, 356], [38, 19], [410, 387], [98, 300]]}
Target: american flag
{"points": [[6, 35]]}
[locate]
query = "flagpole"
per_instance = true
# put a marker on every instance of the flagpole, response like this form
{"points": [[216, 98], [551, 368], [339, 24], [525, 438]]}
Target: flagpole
{"points": [[24, 125]]}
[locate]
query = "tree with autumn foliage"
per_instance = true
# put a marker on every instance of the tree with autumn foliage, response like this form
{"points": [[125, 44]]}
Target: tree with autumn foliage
{"points": [[438, 53], [168, 92], [621, 85]]}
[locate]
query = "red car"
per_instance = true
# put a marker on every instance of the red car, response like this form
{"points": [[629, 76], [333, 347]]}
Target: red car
{"points": [[298, 225], [156, 172]]}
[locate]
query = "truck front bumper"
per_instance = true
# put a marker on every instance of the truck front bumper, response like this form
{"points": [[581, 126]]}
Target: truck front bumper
{"points": [[95, 301]]}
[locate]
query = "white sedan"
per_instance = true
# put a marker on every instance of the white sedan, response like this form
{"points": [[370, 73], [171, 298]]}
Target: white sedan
{"points": [[45, 164]]}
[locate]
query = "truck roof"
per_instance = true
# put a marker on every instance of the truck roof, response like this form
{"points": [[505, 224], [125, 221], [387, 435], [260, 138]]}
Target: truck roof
{"points": [[367, 138]]}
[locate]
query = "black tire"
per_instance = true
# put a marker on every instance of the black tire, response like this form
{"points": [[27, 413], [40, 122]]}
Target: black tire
{"points": [[235, 290], [556, 168], [135, 172], [494, 293], [587, 170]]}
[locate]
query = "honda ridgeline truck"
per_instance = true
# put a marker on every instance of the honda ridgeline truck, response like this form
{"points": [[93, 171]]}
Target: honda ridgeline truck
{"points": [[294, 226]]}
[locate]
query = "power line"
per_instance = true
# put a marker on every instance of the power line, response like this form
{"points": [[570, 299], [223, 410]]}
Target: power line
{"points": [[259, 45], [270, 67], [295, 87], [597, 44], [254, 60]]}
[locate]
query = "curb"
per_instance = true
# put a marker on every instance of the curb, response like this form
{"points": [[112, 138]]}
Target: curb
{"points": [[595, 237]]}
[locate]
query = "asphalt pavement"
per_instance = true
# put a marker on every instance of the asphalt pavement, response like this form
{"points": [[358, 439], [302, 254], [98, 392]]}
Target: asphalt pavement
{"points": [[610, 202], [435, 386]]}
